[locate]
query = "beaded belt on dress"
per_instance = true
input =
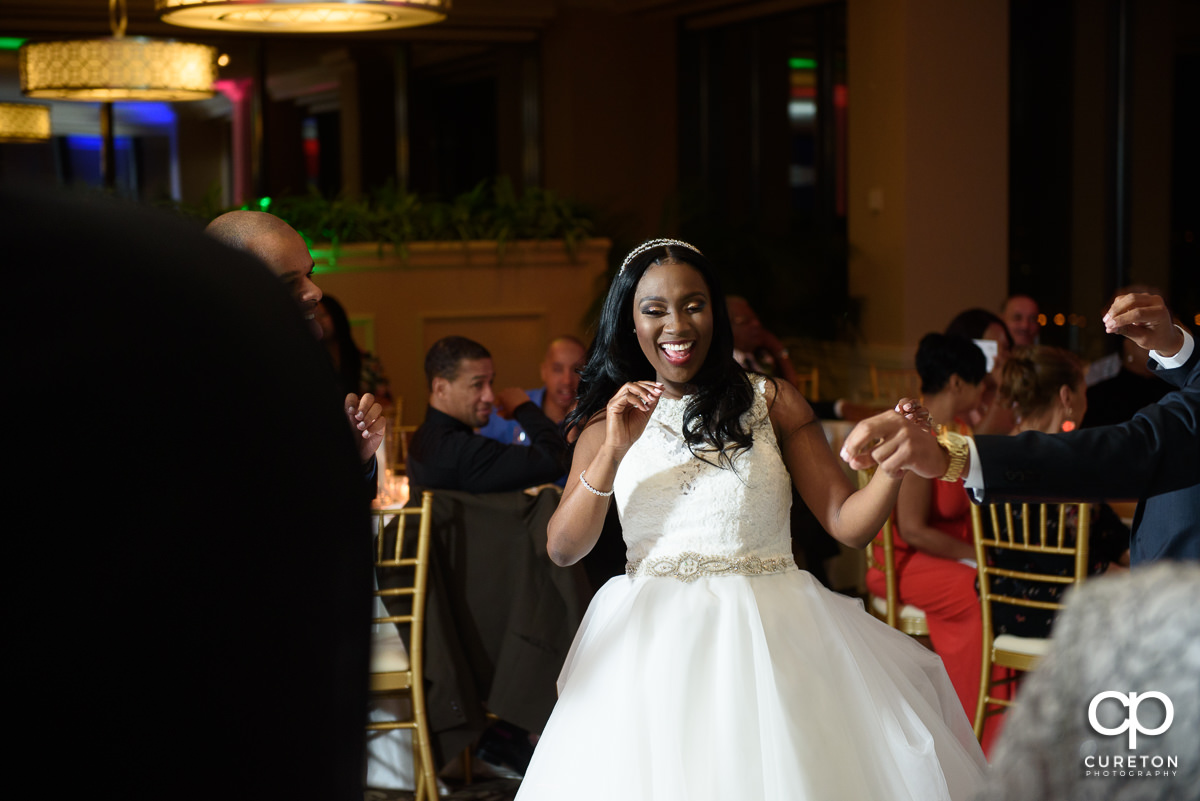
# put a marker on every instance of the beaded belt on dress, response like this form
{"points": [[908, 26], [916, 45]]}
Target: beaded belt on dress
{"points": [[689, 566]]}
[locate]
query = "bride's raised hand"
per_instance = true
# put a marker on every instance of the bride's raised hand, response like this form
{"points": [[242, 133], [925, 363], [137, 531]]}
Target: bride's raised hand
{"points": [[629, 411]]}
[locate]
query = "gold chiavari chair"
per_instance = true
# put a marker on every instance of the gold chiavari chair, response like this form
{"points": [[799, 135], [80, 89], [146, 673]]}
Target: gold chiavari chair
{"points": [[809, 383], [398, 438], [905, 617], [1028, 536], [402, 569], [403, 438]]}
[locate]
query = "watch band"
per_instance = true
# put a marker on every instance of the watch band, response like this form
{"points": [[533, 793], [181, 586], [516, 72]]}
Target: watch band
{"points": [[955, 445]]}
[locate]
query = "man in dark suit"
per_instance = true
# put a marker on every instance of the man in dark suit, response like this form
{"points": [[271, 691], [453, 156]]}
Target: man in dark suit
{"points": [[1154, 457], [506, 543], [447, 454]]}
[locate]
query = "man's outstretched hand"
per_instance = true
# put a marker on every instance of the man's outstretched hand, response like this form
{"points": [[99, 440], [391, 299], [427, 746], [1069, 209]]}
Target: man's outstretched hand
{"points": [[1146, 320]]}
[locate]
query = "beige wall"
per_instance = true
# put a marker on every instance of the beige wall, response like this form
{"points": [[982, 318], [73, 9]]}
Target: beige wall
{"points": [[928, 163], [513, 307]]}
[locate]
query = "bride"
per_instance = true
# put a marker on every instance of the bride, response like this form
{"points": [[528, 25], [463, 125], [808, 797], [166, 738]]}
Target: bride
{"points": [[715, 669]]}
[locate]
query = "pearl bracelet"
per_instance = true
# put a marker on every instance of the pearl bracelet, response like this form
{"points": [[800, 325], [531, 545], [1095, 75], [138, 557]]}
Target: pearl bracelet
{"points": [[592, 489]]}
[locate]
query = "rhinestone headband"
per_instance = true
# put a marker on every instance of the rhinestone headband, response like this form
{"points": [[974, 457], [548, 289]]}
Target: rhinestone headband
{"points": [[653, 243]]}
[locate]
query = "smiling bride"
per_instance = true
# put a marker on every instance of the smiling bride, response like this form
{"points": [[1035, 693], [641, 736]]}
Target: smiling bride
{"points": [[715, 669]]}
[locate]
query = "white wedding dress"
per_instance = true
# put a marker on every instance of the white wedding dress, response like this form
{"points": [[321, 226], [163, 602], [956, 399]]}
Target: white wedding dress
{"points": [[717, 670]]}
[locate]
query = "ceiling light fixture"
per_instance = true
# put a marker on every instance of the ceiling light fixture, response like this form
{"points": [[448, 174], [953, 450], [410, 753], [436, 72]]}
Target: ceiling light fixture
{"points": [[302, 16], [119, 68], [24, 122]]}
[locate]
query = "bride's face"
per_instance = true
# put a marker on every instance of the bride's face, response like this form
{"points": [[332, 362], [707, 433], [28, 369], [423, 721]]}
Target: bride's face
{"points": [[672, 314]]}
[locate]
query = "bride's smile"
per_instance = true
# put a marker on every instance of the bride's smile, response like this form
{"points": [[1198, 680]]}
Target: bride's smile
{"points": [[674, 322]]}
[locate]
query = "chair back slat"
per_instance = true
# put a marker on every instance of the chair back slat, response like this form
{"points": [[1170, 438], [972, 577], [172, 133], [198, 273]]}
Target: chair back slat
{"points": [[1025, 575], [396, 562], [1025, 602], [1033, 547], [392, 592]]}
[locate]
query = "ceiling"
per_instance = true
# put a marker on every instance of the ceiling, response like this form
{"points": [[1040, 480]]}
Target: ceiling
{"points": [[296, 59], [489, 19]]}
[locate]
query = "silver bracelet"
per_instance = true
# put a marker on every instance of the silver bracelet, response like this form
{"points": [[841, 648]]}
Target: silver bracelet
{"points": [[592, 489]]}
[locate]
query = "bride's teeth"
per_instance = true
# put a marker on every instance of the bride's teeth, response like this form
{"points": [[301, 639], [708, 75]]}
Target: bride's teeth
{"points": [[677, 346]]}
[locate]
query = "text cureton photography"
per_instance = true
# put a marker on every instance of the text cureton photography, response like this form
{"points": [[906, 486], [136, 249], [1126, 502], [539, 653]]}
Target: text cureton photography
{"points": [[1127, 705], [1130, 765]]}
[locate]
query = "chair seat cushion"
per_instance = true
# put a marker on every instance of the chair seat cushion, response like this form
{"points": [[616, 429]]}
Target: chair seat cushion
{"points": [[388, 656], [908, 611], [1031, 646]]}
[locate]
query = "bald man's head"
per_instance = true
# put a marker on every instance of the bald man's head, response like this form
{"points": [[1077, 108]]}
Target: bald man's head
{"points": [[277, 245], [560, 375]]}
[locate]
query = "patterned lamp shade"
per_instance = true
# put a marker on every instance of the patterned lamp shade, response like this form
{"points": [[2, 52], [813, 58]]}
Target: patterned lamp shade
{"points": [[117, 69], [302, 16], [24, 122]]}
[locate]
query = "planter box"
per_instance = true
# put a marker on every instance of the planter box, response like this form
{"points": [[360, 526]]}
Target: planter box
{"points": [[512, 304]]}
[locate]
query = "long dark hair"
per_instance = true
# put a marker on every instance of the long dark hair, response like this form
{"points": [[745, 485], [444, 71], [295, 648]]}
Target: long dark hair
{"points": [[349, 356], [712, 416]]}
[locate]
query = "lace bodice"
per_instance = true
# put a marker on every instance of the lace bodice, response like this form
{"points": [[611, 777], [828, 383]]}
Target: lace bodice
{"points": [[670, 502]]}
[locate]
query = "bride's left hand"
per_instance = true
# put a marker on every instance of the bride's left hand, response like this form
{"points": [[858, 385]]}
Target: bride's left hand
{"points": [[913, 410]]}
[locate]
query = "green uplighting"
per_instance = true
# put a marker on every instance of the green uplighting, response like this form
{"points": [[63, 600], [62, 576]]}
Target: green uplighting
{"points": [[802, 63], [264, 204], [10, 42]]}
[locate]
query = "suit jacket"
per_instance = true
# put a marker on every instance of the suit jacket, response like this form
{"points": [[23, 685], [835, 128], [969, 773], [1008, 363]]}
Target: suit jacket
{"points": [[447, 454], [1154, 457]]}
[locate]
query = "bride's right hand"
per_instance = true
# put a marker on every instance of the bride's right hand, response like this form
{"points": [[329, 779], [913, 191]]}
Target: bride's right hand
{"points": [[628, 412]]}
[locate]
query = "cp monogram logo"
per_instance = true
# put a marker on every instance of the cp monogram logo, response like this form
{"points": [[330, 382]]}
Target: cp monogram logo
{"points": [[1131, 723]]}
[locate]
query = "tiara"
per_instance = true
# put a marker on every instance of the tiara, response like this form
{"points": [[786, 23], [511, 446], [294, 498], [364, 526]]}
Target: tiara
{"points": [[653, 243]]}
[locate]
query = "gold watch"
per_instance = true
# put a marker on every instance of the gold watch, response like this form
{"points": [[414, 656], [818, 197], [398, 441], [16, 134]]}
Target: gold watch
{"points": [[955, 445]]}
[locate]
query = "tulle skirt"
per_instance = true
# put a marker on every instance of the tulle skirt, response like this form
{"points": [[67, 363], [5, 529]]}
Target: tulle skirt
{"points": [[736, 687]]}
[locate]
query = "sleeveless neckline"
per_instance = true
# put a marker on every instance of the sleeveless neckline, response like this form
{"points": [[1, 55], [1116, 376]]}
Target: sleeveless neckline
{"points": [[671, 502]]}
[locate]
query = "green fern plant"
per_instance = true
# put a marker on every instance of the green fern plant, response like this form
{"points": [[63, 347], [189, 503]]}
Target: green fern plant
{"points": [[492, 210]]}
